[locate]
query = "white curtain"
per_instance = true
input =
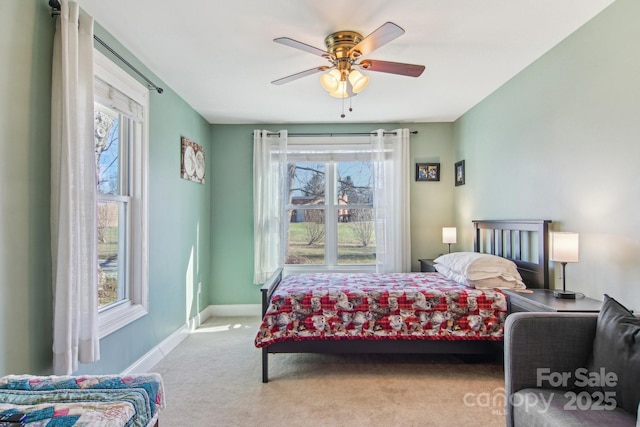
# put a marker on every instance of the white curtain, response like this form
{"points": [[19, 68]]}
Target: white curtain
{"points": [[73, 194], [391, 200], [269, 178]]}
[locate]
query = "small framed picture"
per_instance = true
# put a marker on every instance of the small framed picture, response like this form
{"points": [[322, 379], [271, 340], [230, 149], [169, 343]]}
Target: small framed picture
{"points": [[427, 171], [459, 173], [192, 163]]}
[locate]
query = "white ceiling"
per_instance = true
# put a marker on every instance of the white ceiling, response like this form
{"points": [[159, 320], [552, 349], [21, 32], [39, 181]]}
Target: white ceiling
{"points": [[219, 56]]}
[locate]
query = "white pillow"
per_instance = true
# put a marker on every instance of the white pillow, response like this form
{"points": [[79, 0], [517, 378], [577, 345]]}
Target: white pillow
{"points": [[479, 270], [465, 262], [500, 282], [452, 275]]}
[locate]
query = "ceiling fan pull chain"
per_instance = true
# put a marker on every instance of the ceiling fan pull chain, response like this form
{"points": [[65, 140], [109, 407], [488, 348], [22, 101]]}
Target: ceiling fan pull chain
{"points": [[342, 115]]}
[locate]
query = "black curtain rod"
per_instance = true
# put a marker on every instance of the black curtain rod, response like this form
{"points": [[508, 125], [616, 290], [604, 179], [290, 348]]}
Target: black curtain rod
{"points": [[55, 5], [117, 55], [332, 134]]}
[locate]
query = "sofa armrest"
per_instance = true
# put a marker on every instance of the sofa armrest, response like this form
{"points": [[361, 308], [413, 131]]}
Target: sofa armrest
{"points": [[560, 342]]}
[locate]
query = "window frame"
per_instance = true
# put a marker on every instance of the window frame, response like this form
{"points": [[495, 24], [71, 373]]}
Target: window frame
{"points": [[117, 315]]}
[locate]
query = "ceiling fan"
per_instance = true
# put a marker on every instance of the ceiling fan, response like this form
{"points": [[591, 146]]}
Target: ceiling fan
{"points": [[345, 50]]}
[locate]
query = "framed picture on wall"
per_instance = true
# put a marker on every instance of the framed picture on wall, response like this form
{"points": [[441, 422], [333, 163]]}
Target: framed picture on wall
{"points": [[192, 161], [427, 171], [459, 173]]}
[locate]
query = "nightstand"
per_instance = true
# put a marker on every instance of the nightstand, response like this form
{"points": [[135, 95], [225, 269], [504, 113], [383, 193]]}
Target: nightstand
{"points": [[543, 300], [427, 266]]}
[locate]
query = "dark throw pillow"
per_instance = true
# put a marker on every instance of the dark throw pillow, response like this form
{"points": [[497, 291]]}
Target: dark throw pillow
{"points": [[616, 348]]}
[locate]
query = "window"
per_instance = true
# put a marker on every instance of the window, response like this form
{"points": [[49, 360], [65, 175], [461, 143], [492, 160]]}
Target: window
{"points": [[330, 214], [329, 207], [120, 138], [331, 203]]}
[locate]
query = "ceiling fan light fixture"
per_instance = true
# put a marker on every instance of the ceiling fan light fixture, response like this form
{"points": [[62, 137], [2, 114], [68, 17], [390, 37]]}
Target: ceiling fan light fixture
{"points": [[358, 81], [330, 81]]}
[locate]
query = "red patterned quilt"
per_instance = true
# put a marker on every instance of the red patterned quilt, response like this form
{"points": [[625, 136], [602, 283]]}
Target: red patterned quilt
{"points": [[379, 306]]}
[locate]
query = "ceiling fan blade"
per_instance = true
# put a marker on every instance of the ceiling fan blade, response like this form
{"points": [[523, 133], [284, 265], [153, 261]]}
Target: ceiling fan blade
{"points": [[410, 70], [299, 75], [383, 35], [302, 46]]}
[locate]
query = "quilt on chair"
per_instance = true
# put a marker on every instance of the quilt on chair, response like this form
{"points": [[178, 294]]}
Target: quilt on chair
{"points": [[109, 400]]}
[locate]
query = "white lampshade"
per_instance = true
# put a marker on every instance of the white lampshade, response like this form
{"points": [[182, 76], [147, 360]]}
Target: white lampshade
{"points": [[448, 235], [330, 81], [341, 91], [358, 80], [564, 247]]}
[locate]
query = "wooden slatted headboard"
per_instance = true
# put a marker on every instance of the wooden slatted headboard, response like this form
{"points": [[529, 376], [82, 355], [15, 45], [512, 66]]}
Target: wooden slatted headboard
{"points": [[524, 242]]}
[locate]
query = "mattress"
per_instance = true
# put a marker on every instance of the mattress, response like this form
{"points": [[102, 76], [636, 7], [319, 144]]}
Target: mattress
{"points": [[380, 306]]}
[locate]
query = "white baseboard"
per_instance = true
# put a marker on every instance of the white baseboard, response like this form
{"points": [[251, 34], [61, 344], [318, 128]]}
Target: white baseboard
{"points": [[234, 310], [157, 353]]}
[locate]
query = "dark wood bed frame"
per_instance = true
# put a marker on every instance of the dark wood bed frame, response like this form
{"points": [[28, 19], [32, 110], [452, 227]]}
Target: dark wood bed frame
{"points": [[499, 237]]}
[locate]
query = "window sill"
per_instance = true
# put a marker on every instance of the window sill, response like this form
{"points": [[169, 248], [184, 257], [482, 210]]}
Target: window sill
{"points": [[119, 316]]}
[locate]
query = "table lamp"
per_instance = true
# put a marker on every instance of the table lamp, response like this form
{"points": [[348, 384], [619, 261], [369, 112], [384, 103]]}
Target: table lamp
{"points": [[449, 236], [564, 249]]}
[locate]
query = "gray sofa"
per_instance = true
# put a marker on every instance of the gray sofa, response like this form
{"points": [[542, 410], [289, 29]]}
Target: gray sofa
{"points": [[540, 349]]}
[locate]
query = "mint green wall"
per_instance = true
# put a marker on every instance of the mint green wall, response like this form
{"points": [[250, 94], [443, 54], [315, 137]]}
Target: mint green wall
{"points": [[25, 266], [560, 142], [232, 196], [431, 202], [179, 210], [231, 237]]}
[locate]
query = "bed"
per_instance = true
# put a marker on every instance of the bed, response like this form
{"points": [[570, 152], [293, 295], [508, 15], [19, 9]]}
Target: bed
{"points": [[400, 312]]}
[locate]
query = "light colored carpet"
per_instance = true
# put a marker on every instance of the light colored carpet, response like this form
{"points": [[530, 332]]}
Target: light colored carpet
{"points": [[214, 378]]}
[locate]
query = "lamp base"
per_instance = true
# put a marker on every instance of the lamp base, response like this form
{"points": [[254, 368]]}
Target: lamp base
{"points": [[564, 294]]}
